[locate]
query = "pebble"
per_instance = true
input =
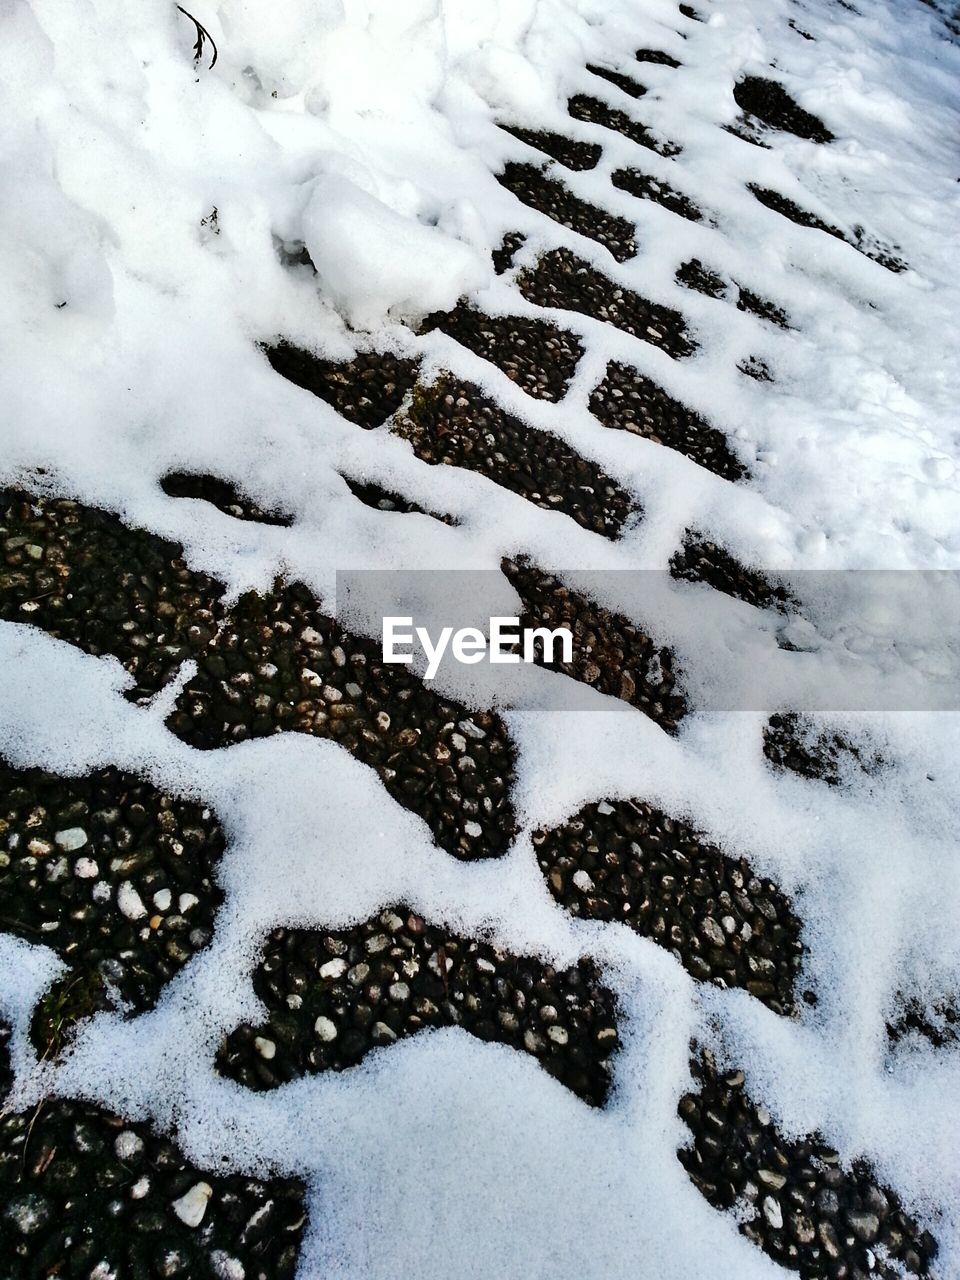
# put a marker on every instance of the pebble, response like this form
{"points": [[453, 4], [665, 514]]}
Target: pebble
{"points": [[192, 1205], [326, 1029], [130, 902], [86, 869], [71, 839]]}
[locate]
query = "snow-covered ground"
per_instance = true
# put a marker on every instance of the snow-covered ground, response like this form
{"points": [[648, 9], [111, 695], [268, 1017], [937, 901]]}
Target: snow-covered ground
{"points": [[150, 214]]}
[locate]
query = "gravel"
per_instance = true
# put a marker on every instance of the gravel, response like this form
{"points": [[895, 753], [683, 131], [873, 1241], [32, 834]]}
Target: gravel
{"points": [[397, 974], [624, 860], [795, 1199], [281, 664], [510, 246], [623, 82], [702, 561], [627, 400], [366, 390], [374, 495], [804, 747], [803, 218], [86, 578], [571, 152], [140, 846], [937, 1020], [610, 653], [694, 275], [535, 354], [88, 1194], [583, 106], [646, 187], [657, 56], [562, 280], [222, 494], [452, 423], [550, 197]]}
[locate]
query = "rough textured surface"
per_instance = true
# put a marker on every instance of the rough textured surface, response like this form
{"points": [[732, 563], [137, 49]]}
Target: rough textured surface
{"points": [[88, 1194], [795, 1199], [694, 275], [770, 102], [571, 152], [625, 83], [936, 1021], [592, 111], [281, 664], [366, 391], [550, 197], [452, 423], [857, 239], [628, 401], [113, 874], [85, 577], [657, 56], [334, 996], [561, 279], [221, 494], [610, 653], [645, 187], [535, 354], [625, 860], [374, 495], [801, 745], [702, 561]]}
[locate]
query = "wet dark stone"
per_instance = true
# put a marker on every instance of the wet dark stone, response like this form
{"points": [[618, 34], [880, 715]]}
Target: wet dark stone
{"points": [[795, 1199], [625, 83], [610, 653], [688, 11], [80, 860], [503, 257], [770, 102], [561, 279], [645, 187], [804, 747], [883, 256], [593, 111], [332, 996], [374, 495], [763, 308], [571, 152], [222, 494], [280, 664], [629, 401], [702, 561], [756, 368], [366, 390], [88, 1194], [550, 197], [535, 354], [657, 56], [694, 275], [452, 423], [85, 577], [937, 1021], [623, 860]]}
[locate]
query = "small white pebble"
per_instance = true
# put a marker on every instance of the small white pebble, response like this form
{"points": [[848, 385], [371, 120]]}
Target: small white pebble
{"points": [[162, 899], [186, 901], [127, 1145], [225, 1267], [558, 1034], [192, 1205], [140, 1188], [333, 968], [326, 1029], [130, 902], [86, 869], [102, 891], [71, 839], [473, 829], [582, 881], [266, 1048]]}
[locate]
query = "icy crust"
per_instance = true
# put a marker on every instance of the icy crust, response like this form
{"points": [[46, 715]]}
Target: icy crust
{"points": [[87, 1190], [114, 875], [333, 997]]}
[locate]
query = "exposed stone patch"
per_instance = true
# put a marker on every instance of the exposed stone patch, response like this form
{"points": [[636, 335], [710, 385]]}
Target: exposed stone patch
{"points": [[83, 576], [593, 111], [769, 101], [629, 401], [281, 664], [510, 246], [694, 275], [225, 496], [562, 280], [452, 423], [537, 355], [552, 198], [795, 1199], [626, 84], [702, 561], [366, 390], [624, 860], [802, 746], [571, 152], [657, 56], [645, 187], [112, 873], [610, 653], [803, 218], [334, 996], [380, 499]]}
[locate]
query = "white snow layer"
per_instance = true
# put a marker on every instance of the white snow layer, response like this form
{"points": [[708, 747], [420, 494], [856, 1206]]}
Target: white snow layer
{"points": [[364, 129]]}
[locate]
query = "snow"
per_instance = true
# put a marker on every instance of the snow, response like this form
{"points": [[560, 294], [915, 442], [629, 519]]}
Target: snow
{"points": [[364, 129]]}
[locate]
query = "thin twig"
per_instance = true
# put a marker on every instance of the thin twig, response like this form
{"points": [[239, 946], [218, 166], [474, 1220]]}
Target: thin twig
{"points": [[202, 34]]}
